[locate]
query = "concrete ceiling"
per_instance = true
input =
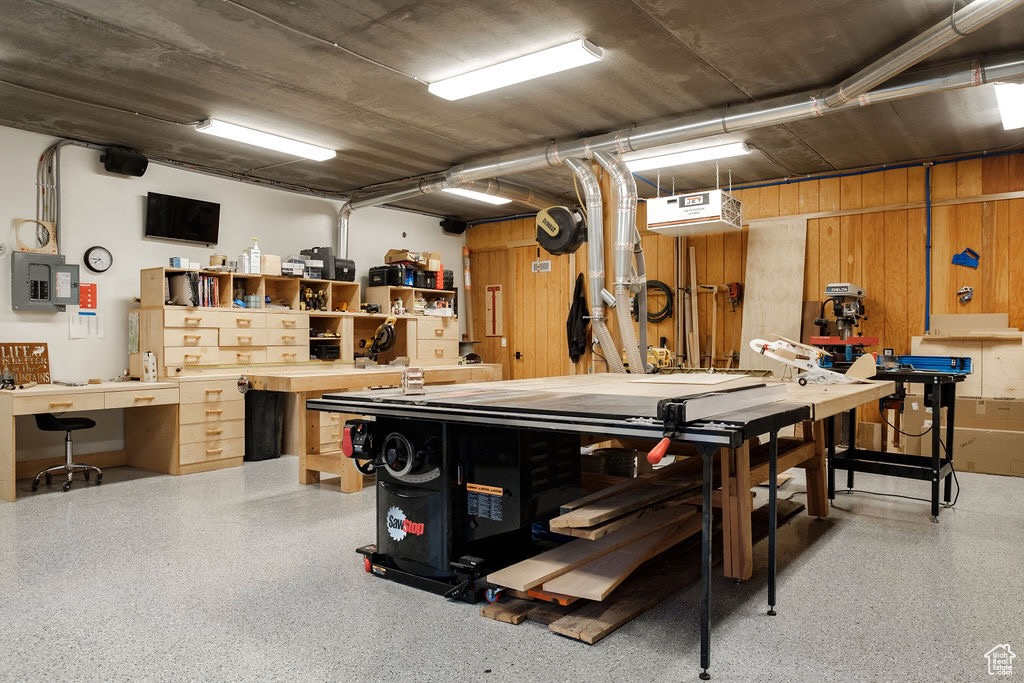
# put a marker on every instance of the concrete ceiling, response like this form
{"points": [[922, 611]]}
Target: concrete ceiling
{"points": [[352, 76]]}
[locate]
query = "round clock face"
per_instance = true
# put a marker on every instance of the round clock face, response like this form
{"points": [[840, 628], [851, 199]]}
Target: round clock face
{"points": [[98, 259]]}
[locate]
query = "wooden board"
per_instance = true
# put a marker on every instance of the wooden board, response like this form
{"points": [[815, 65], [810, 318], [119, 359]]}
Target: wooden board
{"points": [[685, 378], [601, 530], [773, 286], [677, 469], [952, 323], [595, 580], [621, 504], [547, 565]]}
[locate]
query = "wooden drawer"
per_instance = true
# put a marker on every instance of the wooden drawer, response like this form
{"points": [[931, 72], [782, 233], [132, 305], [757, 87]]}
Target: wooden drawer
{"points": [[213, 431], [241, 355], [243, 337], [287, 354], [287, 337], [288, 321], [209, 391], [192, 453], [243, 320], [140, 397], [436, 350], [190, 355], [429, 327], [190, 336], [194, 413], [57, 403], [331, 435], [191, 317]]}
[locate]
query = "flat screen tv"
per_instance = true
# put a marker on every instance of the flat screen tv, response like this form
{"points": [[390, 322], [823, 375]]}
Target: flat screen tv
{"points": [[182, 219]]}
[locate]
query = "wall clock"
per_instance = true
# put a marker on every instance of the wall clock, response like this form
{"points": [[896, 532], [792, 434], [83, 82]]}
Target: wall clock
{"points": [[98, 259]]}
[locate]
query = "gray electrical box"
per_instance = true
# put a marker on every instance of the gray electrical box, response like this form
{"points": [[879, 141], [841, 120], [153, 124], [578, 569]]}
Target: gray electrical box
{"points": [[42, 282]]}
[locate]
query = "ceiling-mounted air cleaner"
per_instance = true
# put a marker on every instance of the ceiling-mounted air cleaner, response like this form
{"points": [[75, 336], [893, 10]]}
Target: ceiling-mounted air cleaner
{"points": [[560, 230], [694, 214]]}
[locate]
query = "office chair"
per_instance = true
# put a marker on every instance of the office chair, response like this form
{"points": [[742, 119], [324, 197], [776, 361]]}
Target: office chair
{"points": [[52, 423]]}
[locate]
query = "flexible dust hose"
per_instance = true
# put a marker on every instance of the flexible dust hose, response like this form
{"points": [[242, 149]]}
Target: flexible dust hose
{"points": [[624, 193], [595, 263]]}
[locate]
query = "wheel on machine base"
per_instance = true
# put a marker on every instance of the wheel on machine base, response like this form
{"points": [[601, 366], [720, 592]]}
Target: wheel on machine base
{"points": [[492, 595], [67, 486]]}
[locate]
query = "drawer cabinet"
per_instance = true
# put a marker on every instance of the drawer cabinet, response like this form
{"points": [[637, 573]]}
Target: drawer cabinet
{"points": [[30, 405], [211, 425], [140, 397], [243, 337]]}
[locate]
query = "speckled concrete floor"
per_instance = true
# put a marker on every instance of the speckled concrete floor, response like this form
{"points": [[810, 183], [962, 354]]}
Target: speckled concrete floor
{"points": [[243, 574]]}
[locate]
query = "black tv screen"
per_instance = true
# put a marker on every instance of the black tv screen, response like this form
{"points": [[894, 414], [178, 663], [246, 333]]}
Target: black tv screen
{"points": [[179, 218]]}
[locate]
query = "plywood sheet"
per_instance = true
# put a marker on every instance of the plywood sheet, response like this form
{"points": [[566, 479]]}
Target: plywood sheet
{"points": [[966, 323], [685, 378], [773, 286], [1002, 370]]}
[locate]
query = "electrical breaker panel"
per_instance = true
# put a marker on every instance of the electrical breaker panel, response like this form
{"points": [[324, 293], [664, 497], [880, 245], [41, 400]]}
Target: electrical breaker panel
{"points": [[42, 282]]}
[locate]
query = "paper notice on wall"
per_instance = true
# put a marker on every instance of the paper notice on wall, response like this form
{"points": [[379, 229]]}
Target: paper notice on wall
{"points": [[87, 295], [495, 316], [84, 323]]}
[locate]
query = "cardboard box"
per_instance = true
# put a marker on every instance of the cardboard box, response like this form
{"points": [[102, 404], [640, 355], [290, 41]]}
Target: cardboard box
{"points": [[433, 261], [270, 264], [989, 451], [405, 256], [869, 436], [990, 413]]}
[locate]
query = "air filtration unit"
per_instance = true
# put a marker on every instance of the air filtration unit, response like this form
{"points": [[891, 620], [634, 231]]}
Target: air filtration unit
{"points": [[694, 214]]}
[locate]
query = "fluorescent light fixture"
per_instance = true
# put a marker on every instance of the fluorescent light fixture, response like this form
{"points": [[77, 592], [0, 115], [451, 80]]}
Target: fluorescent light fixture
{"points": [[266, 140], [1010, 97], [651, 158], [550, 61], [478, 196]]}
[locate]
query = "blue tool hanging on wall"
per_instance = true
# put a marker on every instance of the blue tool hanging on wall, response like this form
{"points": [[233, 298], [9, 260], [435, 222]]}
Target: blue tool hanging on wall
{"points": [[968, 257]]}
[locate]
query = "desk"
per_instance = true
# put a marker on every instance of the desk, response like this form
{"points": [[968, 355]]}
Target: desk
{"points": [[150, 435], [619, 406], [318, 443]]}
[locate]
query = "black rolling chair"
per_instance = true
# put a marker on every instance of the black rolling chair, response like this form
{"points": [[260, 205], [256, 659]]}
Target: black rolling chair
{"points": [[52, 423]]}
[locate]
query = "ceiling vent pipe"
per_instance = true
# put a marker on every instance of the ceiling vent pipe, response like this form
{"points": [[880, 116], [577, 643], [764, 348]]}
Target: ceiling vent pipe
{"points": [[595, 263], [626, 239]]}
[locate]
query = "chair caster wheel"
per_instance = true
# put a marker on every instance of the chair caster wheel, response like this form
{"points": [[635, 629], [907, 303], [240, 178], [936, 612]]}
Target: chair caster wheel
{"points": [[48, 480], [35, 485], [67, 486], [99, 479]]}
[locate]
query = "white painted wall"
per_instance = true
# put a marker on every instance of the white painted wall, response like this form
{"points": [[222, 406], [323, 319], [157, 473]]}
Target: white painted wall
{"points": [[107, 209]]}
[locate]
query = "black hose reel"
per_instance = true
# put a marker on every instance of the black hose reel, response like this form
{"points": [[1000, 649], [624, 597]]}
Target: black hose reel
{"points": [[560, 230]]}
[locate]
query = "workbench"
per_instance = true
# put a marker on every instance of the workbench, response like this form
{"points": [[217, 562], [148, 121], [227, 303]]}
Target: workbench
{"points": [[318, 443], [627, 406], [940, 392]]}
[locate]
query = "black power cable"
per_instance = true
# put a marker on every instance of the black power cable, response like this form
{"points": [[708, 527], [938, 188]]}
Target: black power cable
{"points": [[665, 312]]}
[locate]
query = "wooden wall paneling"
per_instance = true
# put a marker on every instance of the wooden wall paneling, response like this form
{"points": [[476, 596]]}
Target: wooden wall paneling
{"points": [[812, 267], [1015, 276], [774, 286], [917, 268], [1015, 171], [943, 182], [830, 253], [808, 196], [995, 245], [852, 252], [873, 280], [915, 183], [968, 177], [789, 199], [828, 194], [894, 252], [967, 233], [895, 184], [487, 268], [943, 292], [770, 201], [750, 204], [732, 271], [715, 275], [850, 192], [666, 272], [995, 175], [873, 189], [702, 325]]}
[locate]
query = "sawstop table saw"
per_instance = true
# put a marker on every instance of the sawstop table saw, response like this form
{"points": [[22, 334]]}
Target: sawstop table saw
{"points": [[464, 471]]}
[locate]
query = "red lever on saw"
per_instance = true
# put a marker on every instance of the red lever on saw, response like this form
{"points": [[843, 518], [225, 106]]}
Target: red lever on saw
{"points": [[658, 452], [346, 442]]}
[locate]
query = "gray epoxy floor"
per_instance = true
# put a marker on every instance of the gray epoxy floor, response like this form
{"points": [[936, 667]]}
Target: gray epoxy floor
{"points": [[243, 574]]}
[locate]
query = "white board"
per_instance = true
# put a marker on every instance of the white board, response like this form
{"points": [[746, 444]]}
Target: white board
{"points": [[773, 288]]}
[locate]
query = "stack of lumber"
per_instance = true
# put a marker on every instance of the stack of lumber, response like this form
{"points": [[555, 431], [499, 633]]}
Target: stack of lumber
{"points": [[617, 530]]}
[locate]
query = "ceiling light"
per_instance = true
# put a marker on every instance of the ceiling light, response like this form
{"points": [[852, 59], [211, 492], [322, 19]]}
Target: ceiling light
{"points": [[1010, 97], [267, 140], [550, 61], [657, 158], [478, 196]]}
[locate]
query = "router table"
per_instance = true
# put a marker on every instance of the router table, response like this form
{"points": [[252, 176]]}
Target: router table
{"points": [[628, 406]]}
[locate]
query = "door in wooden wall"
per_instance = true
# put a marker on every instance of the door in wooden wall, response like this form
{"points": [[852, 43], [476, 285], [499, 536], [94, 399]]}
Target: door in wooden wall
{"points": [[542, 287]]}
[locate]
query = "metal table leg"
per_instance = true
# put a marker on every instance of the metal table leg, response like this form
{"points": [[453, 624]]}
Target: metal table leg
{"points": [[830, 451], [936, 406], [773, 493], [851, 438], [708, 454]]}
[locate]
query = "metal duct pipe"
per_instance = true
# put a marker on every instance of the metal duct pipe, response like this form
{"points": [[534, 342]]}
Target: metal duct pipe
{"points": [[518, 193], [394, 192], [945, 33], [341, 238], [595, 263], [624, 193]]}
